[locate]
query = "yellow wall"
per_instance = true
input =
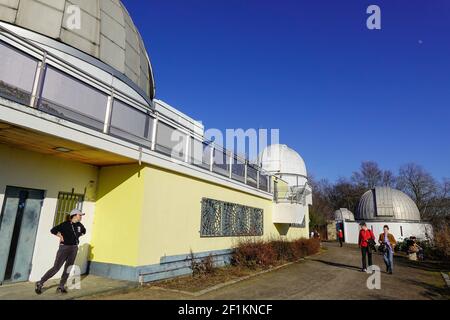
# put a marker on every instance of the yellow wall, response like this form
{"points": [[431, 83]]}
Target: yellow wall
{"points": [[118, 213], [144, 213]]}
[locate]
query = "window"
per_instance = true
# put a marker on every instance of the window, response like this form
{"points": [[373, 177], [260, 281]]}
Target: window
{"points": [[263, 182], [170, 141], [71, 99], [17, 72], [66, 203], [221, 160], [131, 124], [238, 169], [225, 219], [252, 176], [200, 153]]}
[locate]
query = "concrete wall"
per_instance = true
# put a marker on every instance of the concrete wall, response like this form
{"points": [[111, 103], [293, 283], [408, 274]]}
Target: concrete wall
{"points": [[38, 171], [417, 229]]}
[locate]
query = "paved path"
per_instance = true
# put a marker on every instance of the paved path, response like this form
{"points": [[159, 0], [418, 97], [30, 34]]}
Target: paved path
{"points": [[90, 285], [334, 274]]}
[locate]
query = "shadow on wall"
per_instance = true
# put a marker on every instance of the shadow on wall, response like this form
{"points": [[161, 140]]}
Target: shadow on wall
{"points": [[121, 174], [282, 228], [83, 256]]}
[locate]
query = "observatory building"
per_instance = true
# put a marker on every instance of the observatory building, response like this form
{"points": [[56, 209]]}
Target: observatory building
{"points": [[292, 192], [384, 206], [80, 127]]}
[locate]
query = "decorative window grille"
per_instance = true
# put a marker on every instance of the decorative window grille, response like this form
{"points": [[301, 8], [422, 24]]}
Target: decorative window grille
{"points": [[66, 203], [225, 219]]}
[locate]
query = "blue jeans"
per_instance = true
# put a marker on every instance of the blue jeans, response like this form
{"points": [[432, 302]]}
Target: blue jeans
{"points": [[388, 257]]}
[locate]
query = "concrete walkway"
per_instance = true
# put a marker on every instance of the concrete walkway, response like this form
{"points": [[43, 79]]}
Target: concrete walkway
{"points": [[90, 285], [335, 274]]}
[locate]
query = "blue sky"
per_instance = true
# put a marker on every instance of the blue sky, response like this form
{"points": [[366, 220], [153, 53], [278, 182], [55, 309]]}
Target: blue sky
{"points": [[339, 93]]}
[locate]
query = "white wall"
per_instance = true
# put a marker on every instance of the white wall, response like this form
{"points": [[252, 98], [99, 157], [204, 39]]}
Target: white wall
{"points": [[417, 229], [288, 213], [37, 171]]}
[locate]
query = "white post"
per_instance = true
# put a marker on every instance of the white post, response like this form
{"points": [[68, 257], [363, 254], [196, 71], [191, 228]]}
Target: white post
{"points": [[211, 158], [108, 114], [231, 165], [155, 124], [37, 83], [186, 157]]}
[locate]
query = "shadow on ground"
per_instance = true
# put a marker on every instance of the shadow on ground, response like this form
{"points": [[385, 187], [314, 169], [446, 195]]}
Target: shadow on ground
{"points": [[433, 266], [336, 264]]}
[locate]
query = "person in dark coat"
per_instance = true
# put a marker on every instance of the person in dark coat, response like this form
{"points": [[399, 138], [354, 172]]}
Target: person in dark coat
{"points": [[68, 233]]}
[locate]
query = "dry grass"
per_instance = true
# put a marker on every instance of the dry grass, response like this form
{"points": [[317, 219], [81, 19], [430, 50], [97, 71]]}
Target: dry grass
{"points": [[198, 283]]}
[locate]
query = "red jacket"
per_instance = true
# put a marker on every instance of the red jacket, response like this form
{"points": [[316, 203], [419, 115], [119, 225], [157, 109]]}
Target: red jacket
{"points": [[365, 235], [340, 234]]}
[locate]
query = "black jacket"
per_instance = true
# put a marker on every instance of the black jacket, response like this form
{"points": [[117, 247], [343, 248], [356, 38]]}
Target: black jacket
{"points": [[71, 232]]}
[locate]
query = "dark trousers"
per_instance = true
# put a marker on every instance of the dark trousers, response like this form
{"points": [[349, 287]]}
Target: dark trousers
{"points": [[67, 255], [365, 252], [340, 242]]}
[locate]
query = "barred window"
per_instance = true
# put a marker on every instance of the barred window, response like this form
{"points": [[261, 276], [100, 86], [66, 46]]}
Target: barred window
{"points": [[225, 219], [67, 202]]}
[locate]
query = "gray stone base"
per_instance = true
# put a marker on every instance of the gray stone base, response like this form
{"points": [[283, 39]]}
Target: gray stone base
{"points": [[169, 267]]}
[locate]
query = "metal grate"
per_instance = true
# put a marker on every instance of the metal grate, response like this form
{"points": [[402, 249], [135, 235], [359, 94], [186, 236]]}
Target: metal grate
{"points": [[225, 219], [66, 203]]}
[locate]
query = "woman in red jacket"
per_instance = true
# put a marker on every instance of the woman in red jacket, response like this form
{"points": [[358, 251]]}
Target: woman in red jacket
{"points": [[365, 235]]}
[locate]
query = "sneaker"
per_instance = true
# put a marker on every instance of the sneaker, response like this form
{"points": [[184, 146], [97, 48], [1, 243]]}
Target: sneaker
{"points": [[38, 288], [364, 270], [61, 290]]}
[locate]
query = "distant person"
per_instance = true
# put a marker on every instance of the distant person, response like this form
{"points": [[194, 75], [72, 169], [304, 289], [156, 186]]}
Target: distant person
{"points": [[365, 241], [68, 233], [340, 237], [415, 252], [316, 235], [388, 243]]}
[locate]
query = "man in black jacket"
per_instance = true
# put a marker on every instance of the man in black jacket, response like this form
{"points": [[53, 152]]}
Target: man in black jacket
{"points": [[68, 233]]}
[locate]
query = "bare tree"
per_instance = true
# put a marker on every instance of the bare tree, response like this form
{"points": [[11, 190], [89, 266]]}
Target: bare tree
{"points": [[388, 179], [418, 184], [369, 175]]}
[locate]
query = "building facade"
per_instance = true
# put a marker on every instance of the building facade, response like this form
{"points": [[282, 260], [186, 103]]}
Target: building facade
{"points": [[80, 127]]}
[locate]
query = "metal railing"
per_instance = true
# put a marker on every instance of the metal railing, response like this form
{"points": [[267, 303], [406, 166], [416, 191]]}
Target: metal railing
{"points": [[251, 175], [292, 194]]}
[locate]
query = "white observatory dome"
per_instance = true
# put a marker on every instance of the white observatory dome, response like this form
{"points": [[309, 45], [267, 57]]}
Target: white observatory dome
{"points": [[280, 159], [384, 203], [344, 214]]}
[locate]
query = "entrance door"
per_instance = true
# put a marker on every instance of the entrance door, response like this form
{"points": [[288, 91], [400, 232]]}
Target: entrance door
{"points": [[18, 226]]}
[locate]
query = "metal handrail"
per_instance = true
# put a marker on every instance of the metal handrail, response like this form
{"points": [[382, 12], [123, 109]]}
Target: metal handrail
{"points": [[115, 93]]}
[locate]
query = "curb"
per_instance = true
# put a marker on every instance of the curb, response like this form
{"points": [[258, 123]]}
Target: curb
{"points": [[226, 284], [446, 279]]}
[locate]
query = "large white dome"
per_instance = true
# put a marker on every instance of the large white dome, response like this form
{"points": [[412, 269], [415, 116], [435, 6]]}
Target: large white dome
{"points": [[279, 158], [107, 33], [383, 203]]}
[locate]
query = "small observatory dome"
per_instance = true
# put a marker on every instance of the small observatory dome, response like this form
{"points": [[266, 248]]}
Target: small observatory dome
{"points": [[383, 203], [344, 214], [106, 32], [280, 159]]}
